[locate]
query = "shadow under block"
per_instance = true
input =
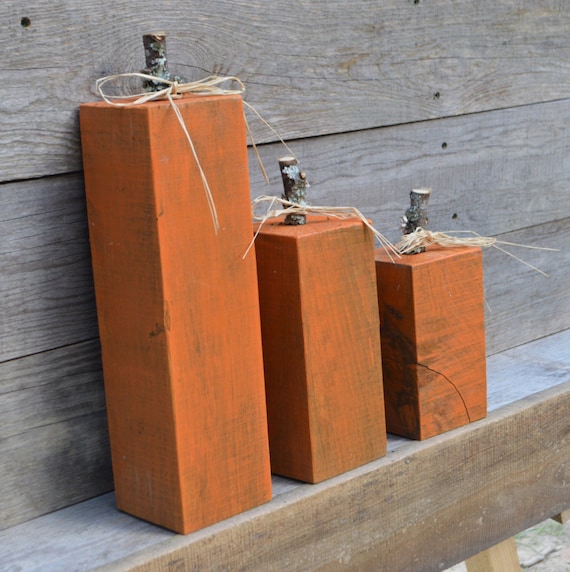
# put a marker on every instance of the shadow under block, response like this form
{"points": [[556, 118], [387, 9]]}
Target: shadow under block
{"points": [[432, 324], [321, 345], [178, 309]]}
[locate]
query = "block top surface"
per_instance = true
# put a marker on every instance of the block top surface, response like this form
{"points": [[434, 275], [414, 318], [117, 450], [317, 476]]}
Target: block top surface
{"points": [[186, 99], [315, 225], [431, 255]]}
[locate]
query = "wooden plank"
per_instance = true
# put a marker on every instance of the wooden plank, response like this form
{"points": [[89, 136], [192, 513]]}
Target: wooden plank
{"points": [[45, 274], [46, 284], [491, 478], [432, 321], [321, 347], [524, 305], [435, 502], [499, 171], [532, 365], [53, 432], [314, 68], [502, 557], [496, 157], [178, 310]]}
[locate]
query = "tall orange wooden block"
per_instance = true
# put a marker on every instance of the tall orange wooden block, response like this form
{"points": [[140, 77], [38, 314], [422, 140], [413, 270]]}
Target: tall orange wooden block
{"points": [[178, 309], [319, 317], [432, 325]]}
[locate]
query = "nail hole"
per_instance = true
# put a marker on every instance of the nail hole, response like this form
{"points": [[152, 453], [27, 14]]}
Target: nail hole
{"points": [[25, 22], [436, 95], [416, 1], [444, 145], [454, 216]]}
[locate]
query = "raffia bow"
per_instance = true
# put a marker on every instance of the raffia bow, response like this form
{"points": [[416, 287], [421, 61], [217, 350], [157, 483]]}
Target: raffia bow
{"points": [[210, 85], [423, 238]]}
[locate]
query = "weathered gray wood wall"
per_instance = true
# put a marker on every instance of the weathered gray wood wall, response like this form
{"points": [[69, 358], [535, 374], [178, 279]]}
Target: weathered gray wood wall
{"points": [[469, 98]]}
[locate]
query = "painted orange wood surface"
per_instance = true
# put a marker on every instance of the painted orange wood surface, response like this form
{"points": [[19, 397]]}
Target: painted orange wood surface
{"points": [[433, 340], [178, 310], [319, 316]]}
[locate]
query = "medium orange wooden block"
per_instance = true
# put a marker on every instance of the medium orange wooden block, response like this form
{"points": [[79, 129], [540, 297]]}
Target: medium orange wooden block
{"points": [[178, 309], [321, 345], [433, 340]]}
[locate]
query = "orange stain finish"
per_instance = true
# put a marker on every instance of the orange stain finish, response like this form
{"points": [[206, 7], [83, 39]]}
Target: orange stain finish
{"points": [[321, 344], [432, 323], [178, 309]]}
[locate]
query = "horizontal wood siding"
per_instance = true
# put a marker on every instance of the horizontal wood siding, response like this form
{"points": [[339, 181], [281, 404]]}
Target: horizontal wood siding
{"points": [[54, 443], [375, 98], [313, 68], [46, 283]]}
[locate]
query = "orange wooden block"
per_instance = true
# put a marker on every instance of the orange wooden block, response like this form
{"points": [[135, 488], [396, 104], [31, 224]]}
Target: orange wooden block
{"points": [[178, 309], [433, 340], [321, 347]]}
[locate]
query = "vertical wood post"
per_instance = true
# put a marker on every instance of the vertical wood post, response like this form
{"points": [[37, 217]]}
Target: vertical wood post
{"points": [[502, 557], [321, 347], [178, 309], [432, 323]]}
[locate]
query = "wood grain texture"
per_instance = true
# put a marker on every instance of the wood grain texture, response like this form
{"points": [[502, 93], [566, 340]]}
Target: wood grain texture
{"points": [[489, 159], [432, 323], [96, 534], [502, 557], [53, 432], [404, 512], [44, 254], [46, 283], [522, 304], [321, 347], [178, 310], [340, 67]]}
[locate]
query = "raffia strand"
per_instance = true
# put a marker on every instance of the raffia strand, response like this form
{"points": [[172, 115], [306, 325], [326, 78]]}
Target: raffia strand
{"points": [[424, 238], [210, 85], [287, 207]]}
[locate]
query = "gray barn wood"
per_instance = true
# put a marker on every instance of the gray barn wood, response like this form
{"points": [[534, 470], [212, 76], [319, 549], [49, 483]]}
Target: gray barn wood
{"points": [[375, 98], [315, 68], [425, 506]]}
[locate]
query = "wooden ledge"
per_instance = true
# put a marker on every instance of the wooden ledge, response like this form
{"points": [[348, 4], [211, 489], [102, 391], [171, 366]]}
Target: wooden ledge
{"points": [[431, 503]]}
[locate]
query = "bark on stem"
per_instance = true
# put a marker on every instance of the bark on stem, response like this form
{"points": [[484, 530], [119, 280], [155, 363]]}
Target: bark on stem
{"points": [[416, 215], [295, 185], [156, 62]]}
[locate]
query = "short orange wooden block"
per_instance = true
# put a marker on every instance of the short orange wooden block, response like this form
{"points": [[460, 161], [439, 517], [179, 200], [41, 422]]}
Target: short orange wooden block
{"points": [[321, 347], [178, 309], [433, 340]]}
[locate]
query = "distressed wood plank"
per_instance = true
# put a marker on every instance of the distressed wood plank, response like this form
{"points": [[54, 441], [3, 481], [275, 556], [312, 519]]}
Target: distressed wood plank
{"points": [[502, 557], [499, 171], [315, 68], [522, 304], [46, 284], [53, 432], [492, 479], [45, 273]]}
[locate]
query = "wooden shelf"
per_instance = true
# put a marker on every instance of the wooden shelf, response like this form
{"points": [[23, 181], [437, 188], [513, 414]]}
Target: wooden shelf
{"points": [[435, 502]]}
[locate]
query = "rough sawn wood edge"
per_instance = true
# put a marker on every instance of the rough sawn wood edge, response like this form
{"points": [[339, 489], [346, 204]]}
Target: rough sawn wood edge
{"points": [[434, 503]]}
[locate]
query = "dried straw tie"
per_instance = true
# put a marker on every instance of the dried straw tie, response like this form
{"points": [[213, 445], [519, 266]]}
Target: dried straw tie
{"points": [[294, 208], [422, 238], [174, 90]]}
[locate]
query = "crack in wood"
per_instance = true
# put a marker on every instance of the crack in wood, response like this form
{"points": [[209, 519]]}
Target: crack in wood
{"points": [[452, 384]]}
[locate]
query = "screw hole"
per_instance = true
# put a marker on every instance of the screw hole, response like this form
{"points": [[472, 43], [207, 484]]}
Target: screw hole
{"points": [[454, 216], [25, 22], [444, 145]]}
